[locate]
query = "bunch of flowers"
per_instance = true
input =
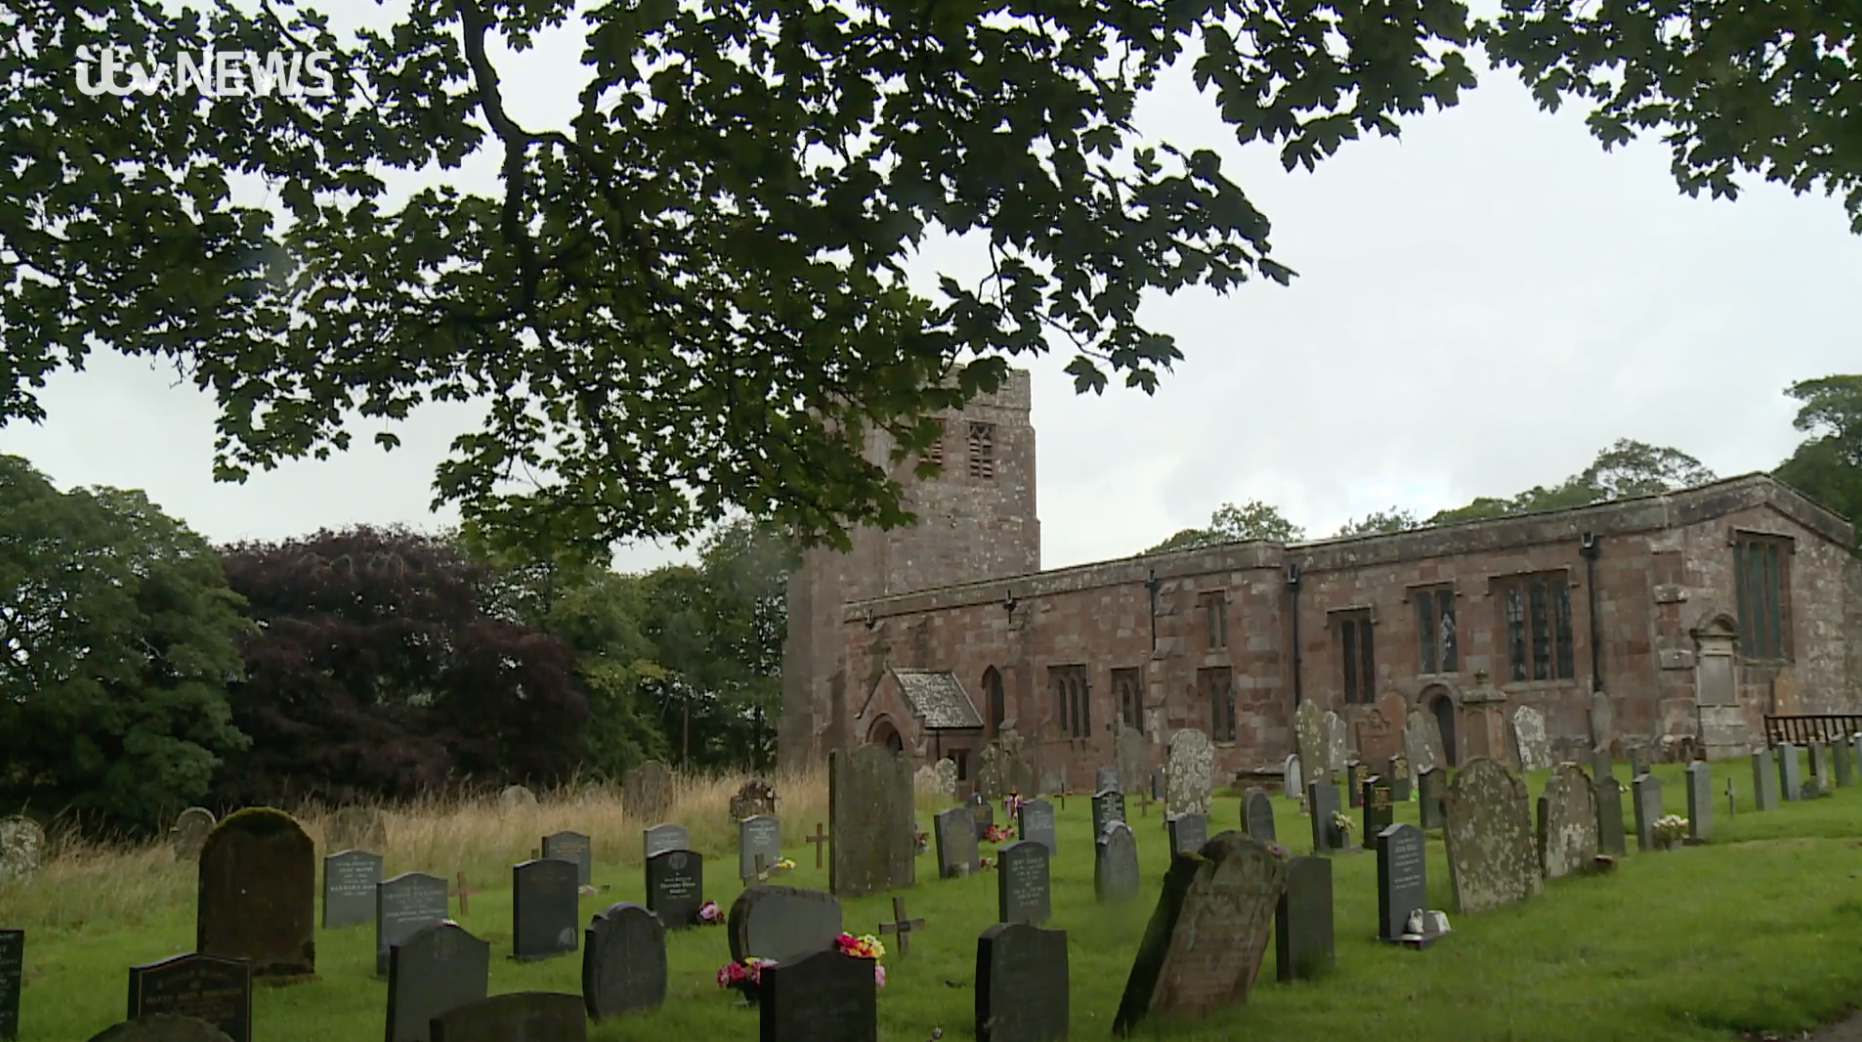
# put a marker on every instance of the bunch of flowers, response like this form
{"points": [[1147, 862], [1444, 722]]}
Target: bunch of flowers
{"points": [[922, 839], [865, 946], [745, 975], [1670, 827], [1010, 804], [710, 914], [1342, 821], [987, 862], [997, 834], [785, 865]]}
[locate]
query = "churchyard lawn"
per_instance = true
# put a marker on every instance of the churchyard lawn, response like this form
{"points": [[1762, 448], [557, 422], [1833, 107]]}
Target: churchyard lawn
{"points": [[1755, 931]]}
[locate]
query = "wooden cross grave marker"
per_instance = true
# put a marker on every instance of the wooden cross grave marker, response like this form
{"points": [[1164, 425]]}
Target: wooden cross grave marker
{"points": [[818, 839], [462, 892], [901, 925]]}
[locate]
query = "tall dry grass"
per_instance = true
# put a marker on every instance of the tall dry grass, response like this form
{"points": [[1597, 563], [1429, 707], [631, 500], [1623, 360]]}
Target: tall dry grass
{"points": [[83, 882]]}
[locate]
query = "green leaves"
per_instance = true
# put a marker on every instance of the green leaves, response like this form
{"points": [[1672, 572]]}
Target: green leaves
{"points": [[1232, 524]]}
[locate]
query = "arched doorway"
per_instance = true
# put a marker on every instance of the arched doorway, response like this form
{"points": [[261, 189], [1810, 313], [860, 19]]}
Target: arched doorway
{"points": [[883, 733], [992, 691], [1444, 709]]}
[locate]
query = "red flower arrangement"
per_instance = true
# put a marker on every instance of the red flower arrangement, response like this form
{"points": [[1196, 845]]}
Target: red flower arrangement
{"points": [[709, 913], [747, 976], [997, 834]]}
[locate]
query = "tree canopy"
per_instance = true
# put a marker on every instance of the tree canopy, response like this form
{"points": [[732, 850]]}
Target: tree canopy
{"points": [[689, 297], [1827, 466], [1627, 468], [1232, 524]]}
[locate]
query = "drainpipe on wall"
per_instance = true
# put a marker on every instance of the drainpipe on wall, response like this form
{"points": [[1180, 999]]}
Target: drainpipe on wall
{"points": [[1588, 547], [1293, 591]]}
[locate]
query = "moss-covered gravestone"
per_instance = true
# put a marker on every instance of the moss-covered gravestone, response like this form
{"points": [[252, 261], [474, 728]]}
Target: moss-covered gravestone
{"points": [[1492, 857], [258, 894], [1204, 945]]}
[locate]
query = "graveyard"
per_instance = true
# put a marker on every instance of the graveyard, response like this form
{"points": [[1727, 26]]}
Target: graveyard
{"points": [[1748, 932]]}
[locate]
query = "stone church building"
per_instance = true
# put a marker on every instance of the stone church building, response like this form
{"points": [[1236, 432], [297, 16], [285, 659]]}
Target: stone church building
{"points": [[1674, 622]]}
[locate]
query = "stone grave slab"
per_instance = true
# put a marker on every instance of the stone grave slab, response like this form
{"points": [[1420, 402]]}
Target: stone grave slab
{"points": [[1322, 802], [12, 979], [1431, 787], [161, 1027], [759, 835], [439, 968], [545, 907], [1699, 801], [1379, 810], [664, 837], [1292, 783], [824, 997], [1108, 807], [957, 853], [982, 813], [623, 962], [676, 887], [1567, 833], [1105, 778], [1764, 780], [1188, 833], [521, 1016], [573, 847], [1646, 797], [1191, 766], [403, 906], [1034, 821], [646, 791], [1309, 737], [782, 923], [1257, 815], [1492, 856], [1422, 742], [1115, 864], [22, 847], [1133, 758], [191, 829], [205, 987], [870, 810], [1396, 772], [1535, 750], [1337, 743], [1022, 984], [1402, 879], [1790, 772], [1610, 838], [1843, 762], [1303, 922], [1022, 888], [258, 894], [1820, 766], [349, 880]]}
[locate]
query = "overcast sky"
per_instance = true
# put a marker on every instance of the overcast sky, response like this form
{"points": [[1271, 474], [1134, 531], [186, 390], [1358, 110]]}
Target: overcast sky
{"points": [[1481, 307]]}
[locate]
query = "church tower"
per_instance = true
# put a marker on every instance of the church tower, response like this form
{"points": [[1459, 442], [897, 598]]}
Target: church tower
{"points": [[976, 521]]}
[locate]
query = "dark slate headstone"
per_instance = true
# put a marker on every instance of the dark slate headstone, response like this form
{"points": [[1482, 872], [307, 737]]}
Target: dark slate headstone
{"points": [[1035, 824], [1257, 815], [1106, 778], [982, 813], [1430, 788], [1188, 833], [161, 1027], [521, 1016], [574, 847], [676, 887], [1402, 879], [1108, 807], [349, 880], [824, 997], [1356, 774], [1379, 810], [1610, 839], [661, 838], [782, 923], [759, 835], [1022, 891], [205, 987], [1322, 803], [875, 839], [1022, 985], [1303, 936], [1764, 780], [545, 907], [1160, 782], [405, 905], [1115, 863], [1396, 772], [1699, 801], [956, 843], [623, 962], [439, 968], [12, 977], [1638, 762], [1790, 772], [1646, 798], [1601, 765], [258, 894]]}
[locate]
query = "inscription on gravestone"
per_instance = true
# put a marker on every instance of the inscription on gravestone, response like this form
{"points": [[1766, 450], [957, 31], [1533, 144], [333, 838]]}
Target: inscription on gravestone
{"points": [[1021, 984], [404, 906], [661, 838], [1303, 935], [1022, 884], [349, 880], [623, 962], [573, 847], [1188, 833], [216, 990], [161, 1027], [1402, 879], [676, 887], [1379, 811], [824, 997], [1356, 774], [1035, 823], [1108, 807], [12, 976], [956, 843], [1396, 772], [436, 969], [545, 902]]}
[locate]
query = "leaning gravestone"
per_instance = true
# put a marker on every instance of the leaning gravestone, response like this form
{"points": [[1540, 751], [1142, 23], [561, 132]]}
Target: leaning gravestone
{"points": [[349, 880], [258, 894], [782, 923], [521, 1016], [1231, 893], [573, 847], [825, 997], [1764, 780], [161, 1027], [439, 968], [870, 817], [1309, 737], [1430, 788], [1402, 879], [1646, 797], [1535, 750], [646, 791], [676, 887], [623, 962], [1322, 799], [1115, 864], [1022, 889], [1292, 784], [1133, 759], [1303, 934], [956, 843], [22, 847], [1021, 984], [404, 906], [1188, 833], [1187, 778], [1790, 772], [192, 827], [758, 837], [1567, 823], [356, 828], [1610, 838], [545, 900], [205, 987], [1699, 801], [1034, 820], [661, 838], [12, 978], [1491, 857], [1422, 742], [1257, 815], [1337, 744], [1108, 807]]}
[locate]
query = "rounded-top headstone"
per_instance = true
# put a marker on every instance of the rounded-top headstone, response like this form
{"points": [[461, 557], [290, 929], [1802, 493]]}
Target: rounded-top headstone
{"points": [[1189, 779], [517, 797], [258, 893], [162, 1027], [782, 922], [192, 827]]}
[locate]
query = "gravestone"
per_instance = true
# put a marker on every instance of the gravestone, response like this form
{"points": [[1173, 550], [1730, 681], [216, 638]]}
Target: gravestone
{"points": [[1638, 761], [661, 838], [1843, 761], [1106, 778], [438, 968], [1257, 815], [545, 907], [192, 827], [1491, 856], [1034, 821], [870, 813], [205, 987], [676, 887], [1790, 776], [1133, 759], [1108, 807], [646, 791], [1422, 742], [1322, 799], [1188, 833], [356, 828], [754, 798], [623, 962], [519, 1016], [1764, 780], [404, 906], [1337, 744], [992, 774], [1187, 776], [758, 836], [517, 799], [1396, 772], [1601, 765], [1430, 789], [982, 814], [1115, 864], [12, 979], [925, 782], [1159, 783], [1535, 750], [161, 1027], [1820, 766], [782, 923], [349, 880], [22, 847], [1356, 774], [1402, 879], [1646, 797], [1292, 783], [946, 778], [1022, 984], [956, 843], [1022, 889], [824, 997], [575, 848], [1309, 737], [1379, 810], [1231, 892], [1610, 839], [1699, 801], [1567, 823], [258, 894], [1303, 934]]}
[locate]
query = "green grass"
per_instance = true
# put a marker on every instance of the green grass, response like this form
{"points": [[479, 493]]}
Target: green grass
{"points": [[1757, 930]]}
